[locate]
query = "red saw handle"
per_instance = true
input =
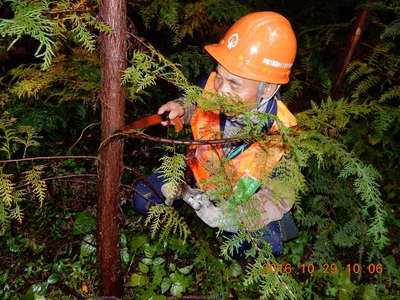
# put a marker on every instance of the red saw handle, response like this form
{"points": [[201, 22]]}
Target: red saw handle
{"points": [[153, 120]]}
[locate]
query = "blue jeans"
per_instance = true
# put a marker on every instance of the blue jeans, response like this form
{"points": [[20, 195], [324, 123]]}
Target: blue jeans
{"points": [[275, 233]]}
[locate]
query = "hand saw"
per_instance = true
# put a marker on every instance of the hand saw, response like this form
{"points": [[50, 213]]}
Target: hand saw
{"points": [[154, 120]]}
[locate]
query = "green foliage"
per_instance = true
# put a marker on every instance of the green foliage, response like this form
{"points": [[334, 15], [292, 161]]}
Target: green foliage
{"points": [[84, 223], [81, 33], [194, 62], [14, 139], [365, 182], [72, 77], [189, 18], [9, 201], [166, 220], [28, 20], [173, 167], [33, 178], [146, 68], [50, 263], [342, 211], [30, 139], [36, 19]]}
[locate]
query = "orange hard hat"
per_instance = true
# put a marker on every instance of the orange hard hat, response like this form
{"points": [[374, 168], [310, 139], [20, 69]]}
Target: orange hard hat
{"points": [[259, 46]]}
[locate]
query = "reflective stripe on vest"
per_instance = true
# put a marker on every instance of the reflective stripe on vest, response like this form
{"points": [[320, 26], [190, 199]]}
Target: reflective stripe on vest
{"points": [[256, 161]]}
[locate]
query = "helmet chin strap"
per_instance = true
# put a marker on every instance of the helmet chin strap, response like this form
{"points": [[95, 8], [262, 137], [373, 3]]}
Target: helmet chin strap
{"points": [[261, 89], [261, 102]]}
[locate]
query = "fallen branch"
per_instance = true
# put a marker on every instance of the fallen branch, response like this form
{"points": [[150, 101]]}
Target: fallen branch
{"points": [[66, 11], [63, 177], [48, 158], [136, 172], [191, 297], [70, 176]]}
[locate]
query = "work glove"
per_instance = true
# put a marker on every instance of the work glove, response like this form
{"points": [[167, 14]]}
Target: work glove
{"points": [[207, 211], [204, 208], [171, 193]]}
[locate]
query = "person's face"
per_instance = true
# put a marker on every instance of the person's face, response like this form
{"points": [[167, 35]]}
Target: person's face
{"points": [[228, 84]]}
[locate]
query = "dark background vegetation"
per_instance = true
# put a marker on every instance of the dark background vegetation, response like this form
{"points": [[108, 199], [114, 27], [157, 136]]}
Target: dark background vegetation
{"points": [[51, 252]]}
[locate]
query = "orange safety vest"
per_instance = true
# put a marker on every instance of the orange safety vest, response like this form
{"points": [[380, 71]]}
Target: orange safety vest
{"points": [[256, 161]]}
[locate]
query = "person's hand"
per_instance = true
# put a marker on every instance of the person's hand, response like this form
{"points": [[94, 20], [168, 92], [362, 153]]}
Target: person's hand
{"points": [[171, 193], [174, 108], [205, 209]]}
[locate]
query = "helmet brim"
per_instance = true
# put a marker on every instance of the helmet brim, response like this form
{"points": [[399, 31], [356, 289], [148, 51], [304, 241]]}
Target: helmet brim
{"points": [[238, 67]]}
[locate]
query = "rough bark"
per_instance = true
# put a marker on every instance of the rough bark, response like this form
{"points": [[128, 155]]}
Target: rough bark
{"points": [[113, 62], [352, 43]]}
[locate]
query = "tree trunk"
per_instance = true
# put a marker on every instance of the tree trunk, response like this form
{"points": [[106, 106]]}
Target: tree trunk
{"points": [[352, 43], [113, 62]]}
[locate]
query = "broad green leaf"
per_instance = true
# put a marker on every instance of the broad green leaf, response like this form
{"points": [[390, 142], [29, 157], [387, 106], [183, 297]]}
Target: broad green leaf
{"points": [[186, 270], [137, 280], [165, 285], [172, 267], [177, 289], [59, 266], [40, 288], [332, 291], [179, 283], [122, 240], [87, 246], [158, 261], [125, 256], [143, 268], [149, 250], [84, 223], [158, 274], [184, 281], [147, 261], [53, 278]]}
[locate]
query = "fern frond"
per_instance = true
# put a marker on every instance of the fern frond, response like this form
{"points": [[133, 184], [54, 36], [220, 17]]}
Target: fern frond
{"points": [[9, 201], [166, 219], [356, 70], [392, 93], [33, 177], [29, 140], [98, 25], [384, 119], [6, 189], [81, 33], [231, 245], [172, 170], [367, 188], [16, 212], [296, 87], [272, 283], [73, 81], [332, 116], [392, 31], [29, 20], [367, 83]]}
